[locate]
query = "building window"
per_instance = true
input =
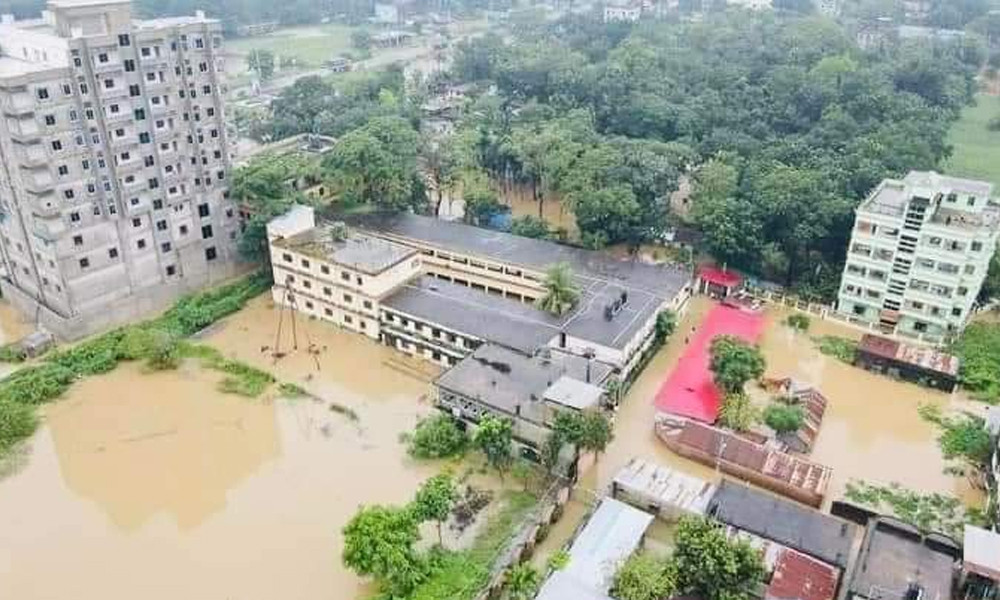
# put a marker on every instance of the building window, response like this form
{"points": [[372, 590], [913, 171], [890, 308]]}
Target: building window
{"points": [[77, 240], [84, 263], [348, 320], [74, 217], [42, 93], [345, 275], [324, 269], [327, 291], [305, 263], [133, 90], [328, 312], [210, 253], [286, 257], [50, 120], [161, 225], [102, 57], [63, 170], [956, 312], [347, 298], [203, 210], [919, 326], [109, 84], [113, 253], [171, 269], [141, 244], [206, 232], [137, 222], [977, 246], [183, 229], [367, 304], [56, 145]]}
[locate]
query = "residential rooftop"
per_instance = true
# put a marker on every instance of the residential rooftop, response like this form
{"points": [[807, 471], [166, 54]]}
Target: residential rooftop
{"points": [[611, 535], [896, 560], [811, 532], [669, 491], [981, 550], [357, 250], [924, 357], [589, 267], [892, 196], [486, 316], [514, 383]]}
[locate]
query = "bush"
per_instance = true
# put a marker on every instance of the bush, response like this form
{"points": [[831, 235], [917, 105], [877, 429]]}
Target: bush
{"points": [[159, 348], [438, 436], [12, 353], [784, 418], [842, 349], [17, 422], [798, 321], [644, 577], [979, 352]]}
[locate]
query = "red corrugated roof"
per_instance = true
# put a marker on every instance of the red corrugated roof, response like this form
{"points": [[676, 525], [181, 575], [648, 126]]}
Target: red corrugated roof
{"points": [[799, 577], [719, 277], [690, 391]]}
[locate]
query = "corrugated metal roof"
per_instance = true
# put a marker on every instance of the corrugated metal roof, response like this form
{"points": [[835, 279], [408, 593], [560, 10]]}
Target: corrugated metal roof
{"points": [[610, 536], [664, 487], [799, 577]]}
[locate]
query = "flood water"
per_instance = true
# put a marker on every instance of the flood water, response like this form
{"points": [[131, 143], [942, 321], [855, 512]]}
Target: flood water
{"points": [[871, 430], [155, 486]]}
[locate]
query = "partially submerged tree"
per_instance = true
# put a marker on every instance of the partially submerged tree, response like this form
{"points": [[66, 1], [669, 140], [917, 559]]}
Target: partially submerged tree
{"points": [[379, 542], [561, 292], [494, 438], [434, 500], [734, 363], [644, 576]]}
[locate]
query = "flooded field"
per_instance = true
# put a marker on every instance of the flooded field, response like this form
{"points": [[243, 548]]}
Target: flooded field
{"points": [[554, 213], [157, 486]]}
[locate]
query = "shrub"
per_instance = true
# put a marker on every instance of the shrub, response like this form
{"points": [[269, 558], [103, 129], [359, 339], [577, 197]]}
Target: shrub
{"points": [[35, 385], [979, 352], [644, 577], [784, 418], [738, 412], [798, 321], [17, 422], [157, 346], [438, 436], [12, 353], [842, 349], [291, 390]]}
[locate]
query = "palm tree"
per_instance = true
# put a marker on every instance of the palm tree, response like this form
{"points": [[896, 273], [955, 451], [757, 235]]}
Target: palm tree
{"points": [[560, 291]]}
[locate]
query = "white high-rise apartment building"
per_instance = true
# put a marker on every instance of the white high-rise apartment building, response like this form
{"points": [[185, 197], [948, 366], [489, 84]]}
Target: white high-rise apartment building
{"points": [[114, 163], [919, 253]]}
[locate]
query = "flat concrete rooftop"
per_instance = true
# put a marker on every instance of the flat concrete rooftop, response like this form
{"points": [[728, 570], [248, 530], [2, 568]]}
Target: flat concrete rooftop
{"points": [[365, 253], [515, 383], [588, 266]]}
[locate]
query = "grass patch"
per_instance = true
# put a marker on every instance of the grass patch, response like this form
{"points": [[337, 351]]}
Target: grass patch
{"points": [[843, 349], [461, 575], [310, 45], [976, 148], [155, 341]]}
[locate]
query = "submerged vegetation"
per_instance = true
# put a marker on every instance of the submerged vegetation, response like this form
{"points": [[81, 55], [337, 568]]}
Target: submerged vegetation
{"points": [[927, 512], [157, 341], [841, 348]]}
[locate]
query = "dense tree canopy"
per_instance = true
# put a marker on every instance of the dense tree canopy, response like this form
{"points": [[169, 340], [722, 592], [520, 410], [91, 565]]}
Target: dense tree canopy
{"points": [[784, 123]]}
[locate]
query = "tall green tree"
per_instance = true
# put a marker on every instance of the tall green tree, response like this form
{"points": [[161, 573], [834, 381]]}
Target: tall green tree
{"points": [[494, 438], [434, 500], [261, 62], [734, 362], [379, 542], [376, 164], [709, 565], [522, 582]]}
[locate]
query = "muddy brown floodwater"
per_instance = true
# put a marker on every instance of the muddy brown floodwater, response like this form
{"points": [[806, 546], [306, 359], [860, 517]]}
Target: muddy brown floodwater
{"points": [[871, 429], [156, 486]]}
